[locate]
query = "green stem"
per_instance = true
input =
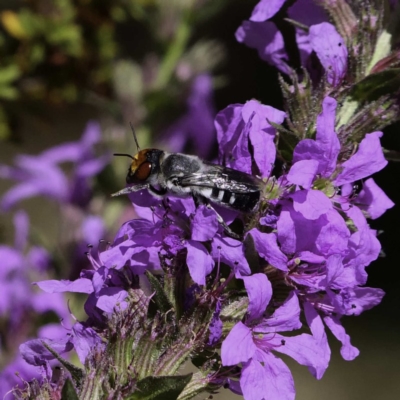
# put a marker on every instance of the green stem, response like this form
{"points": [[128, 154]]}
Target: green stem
{"points": [[174, 53]]}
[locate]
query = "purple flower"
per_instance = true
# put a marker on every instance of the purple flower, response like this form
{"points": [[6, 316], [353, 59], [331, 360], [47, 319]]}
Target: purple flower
{"points": [[330, 50], [10, 380], [39, 369], [319, 159], [18, 267], [311, 244], [322, 38], [373, 200], [254, 343], [195, 129], [41, 175], [240, 125]]}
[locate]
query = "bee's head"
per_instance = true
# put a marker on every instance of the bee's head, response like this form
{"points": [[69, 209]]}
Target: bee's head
{"points": [[144, 164]]}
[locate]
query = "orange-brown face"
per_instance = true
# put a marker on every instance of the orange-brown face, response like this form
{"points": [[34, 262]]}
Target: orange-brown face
{"points": [[140, 168]]}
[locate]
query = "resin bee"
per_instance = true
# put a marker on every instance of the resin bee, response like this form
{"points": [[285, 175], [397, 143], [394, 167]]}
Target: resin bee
{"points": [[183, 175]]}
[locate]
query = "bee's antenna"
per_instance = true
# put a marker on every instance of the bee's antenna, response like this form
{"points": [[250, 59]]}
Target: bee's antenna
{"points": [[134, 136], [122, 154]]}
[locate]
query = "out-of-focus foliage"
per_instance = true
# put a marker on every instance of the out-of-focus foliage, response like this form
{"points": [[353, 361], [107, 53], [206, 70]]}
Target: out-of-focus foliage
{"points": [[115, 55]]}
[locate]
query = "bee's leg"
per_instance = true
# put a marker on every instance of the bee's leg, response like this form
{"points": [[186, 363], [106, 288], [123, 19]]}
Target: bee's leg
{"points": [[198, 200], [130, 189]]}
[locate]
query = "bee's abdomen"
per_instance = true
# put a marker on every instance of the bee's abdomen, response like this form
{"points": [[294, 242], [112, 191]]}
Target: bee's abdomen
{"points": [[244, 202]]}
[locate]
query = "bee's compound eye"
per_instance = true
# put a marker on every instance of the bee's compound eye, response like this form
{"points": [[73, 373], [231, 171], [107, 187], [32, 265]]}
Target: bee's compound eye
{"points": [[143, 172]]}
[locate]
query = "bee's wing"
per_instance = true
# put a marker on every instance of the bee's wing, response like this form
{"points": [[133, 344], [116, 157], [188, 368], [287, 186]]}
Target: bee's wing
{"points": [[223, 178]]}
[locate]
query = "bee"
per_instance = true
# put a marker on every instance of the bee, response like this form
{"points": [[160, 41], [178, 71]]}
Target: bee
{"points": [[182, 175]]}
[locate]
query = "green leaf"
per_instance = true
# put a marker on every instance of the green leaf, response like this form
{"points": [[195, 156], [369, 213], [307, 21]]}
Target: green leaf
{"points": [[160, 387], [376, 85], [160, 297], [68, 391], [368, 90]]}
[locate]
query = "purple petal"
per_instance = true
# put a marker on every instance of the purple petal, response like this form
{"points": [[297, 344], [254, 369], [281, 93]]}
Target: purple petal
{"points": [[234, 387], [18, 193], [266, 38], [241, 157], [92, 167], [26, 372], [307, 12], [230, 252], [21, 224], [287, 236], [353, 301], [267, 247], [337, 276], [91, 135], [266, 9], [111, 299], [234, 125], [331, 51], [366, 298], [255, 381], [43, 302], [215, 326], [368, 160], [259, 292], [364, 247], [93, 229], [262, 136], [305, 350], [317, 328], [311, 203], [38, 258], [347, 351], [199, 261], [35, 353], [85, 340], [62, 153], [81, 285], [238, 346], [204, 224], [196, 127], [334, 235], [285, 318], [324, 236], [270, 380], [309, 149], [303, 172], [229, 125], [373, 199]]}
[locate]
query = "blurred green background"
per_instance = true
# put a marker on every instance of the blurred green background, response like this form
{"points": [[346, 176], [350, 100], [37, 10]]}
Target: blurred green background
{"points": [[65, 62]]}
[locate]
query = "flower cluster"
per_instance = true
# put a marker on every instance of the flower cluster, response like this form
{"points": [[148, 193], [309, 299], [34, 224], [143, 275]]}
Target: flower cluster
{"points": [[174, 285], [21, 304], [312, 244]]}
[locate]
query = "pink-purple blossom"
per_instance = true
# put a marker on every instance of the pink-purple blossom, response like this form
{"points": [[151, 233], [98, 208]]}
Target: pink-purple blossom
{"points": [[319, 37]]}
